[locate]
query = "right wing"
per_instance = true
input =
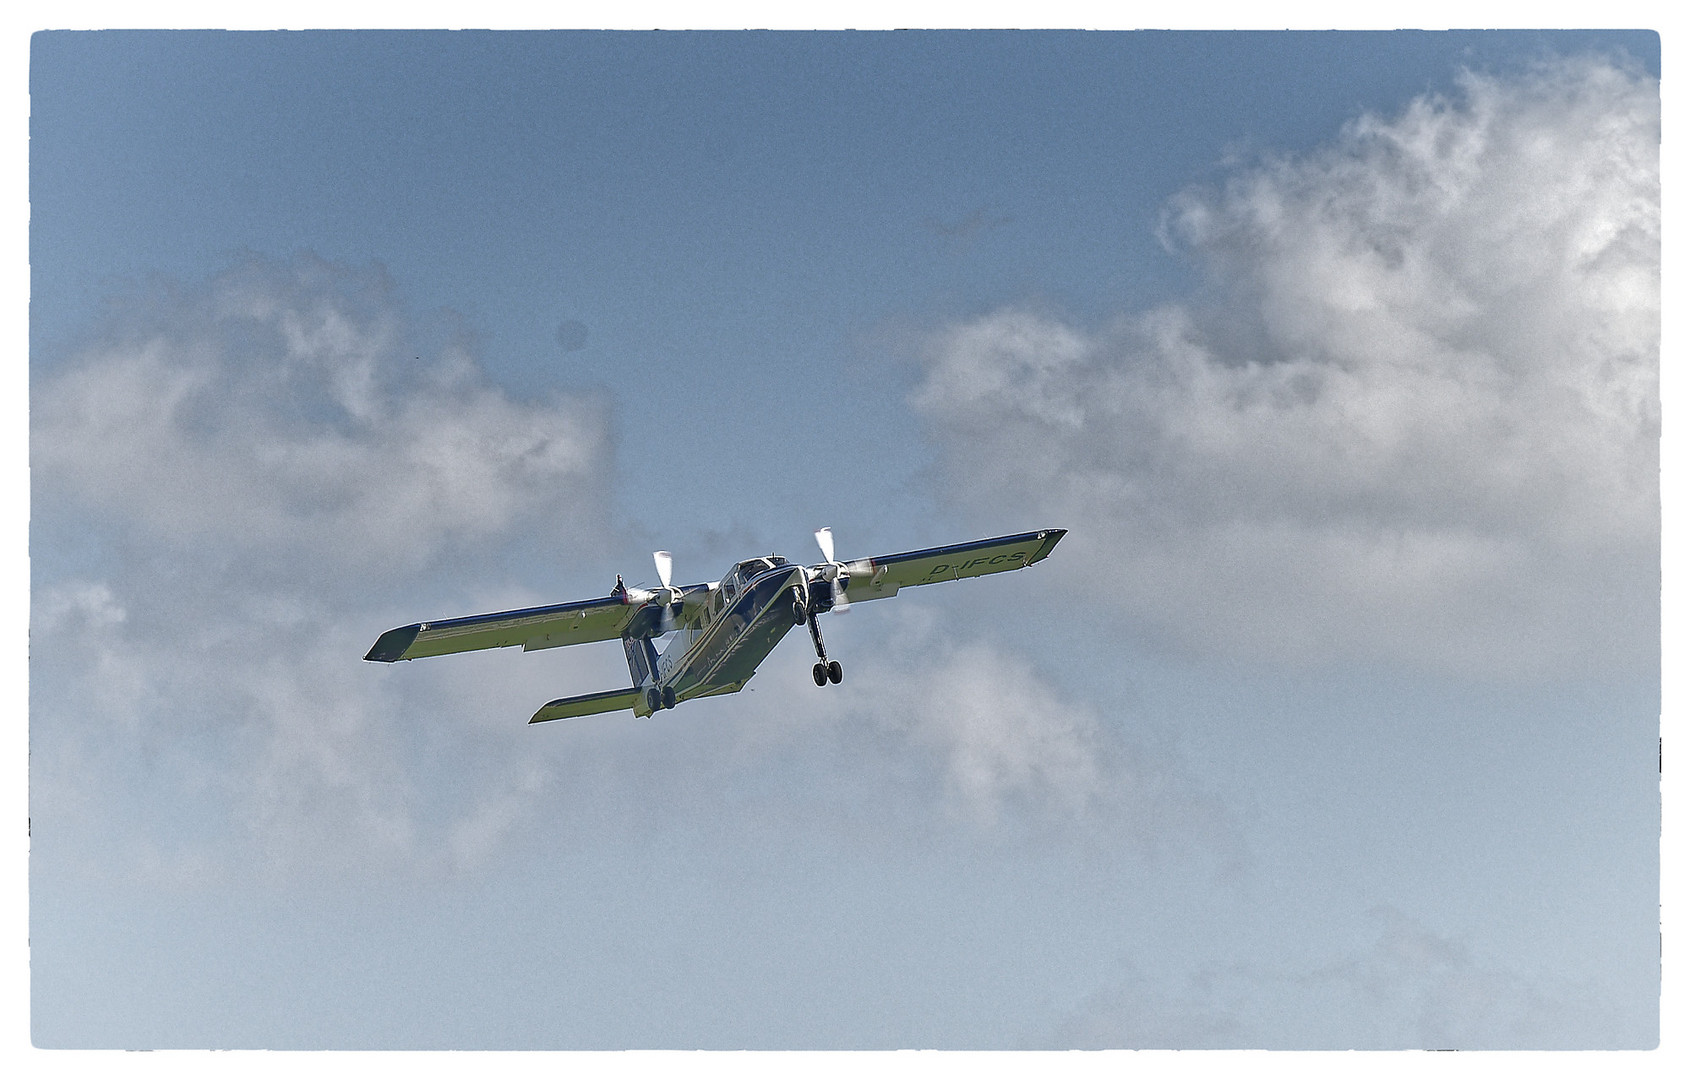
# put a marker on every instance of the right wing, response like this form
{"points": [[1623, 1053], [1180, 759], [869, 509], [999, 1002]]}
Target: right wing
{"points": [[532, 628], [884, 575]]}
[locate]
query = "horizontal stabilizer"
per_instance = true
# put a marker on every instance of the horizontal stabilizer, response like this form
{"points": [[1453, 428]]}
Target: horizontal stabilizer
{"points": [[586, 705]]}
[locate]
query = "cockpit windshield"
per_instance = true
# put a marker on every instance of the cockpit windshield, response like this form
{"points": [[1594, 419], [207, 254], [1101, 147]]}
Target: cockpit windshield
{"points": [[750, 568]]}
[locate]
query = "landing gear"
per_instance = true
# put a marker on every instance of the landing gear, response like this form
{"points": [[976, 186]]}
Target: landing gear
{"points": [[656, 699], [668, 697], [826, 671], [799, 612]]}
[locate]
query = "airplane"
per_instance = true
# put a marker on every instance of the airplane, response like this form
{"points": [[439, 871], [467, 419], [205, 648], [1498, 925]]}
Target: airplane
{"points": [[721, 630]]}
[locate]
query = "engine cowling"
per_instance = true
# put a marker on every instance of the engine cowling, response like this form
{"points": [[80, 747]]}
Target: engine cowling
{"points": [[827, 586], [829, 581]]}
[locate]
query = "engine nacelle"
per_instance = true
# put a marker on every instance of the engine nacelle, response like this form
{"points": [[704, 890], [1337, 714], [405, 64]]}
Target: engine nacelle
{"points": [[828, 587]]}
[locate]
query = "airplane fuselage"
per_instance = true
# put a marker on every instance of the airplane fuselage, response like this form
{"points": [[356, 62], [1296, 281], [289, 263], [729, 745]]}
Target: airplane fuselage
{"points": [[747, 614]]}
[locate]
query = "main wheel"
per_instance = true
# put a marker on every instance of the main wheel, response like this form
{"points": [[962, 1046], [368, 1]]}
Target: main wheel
{"points": [[668, 697], [819, 672], [834, 672], [653, 699]]}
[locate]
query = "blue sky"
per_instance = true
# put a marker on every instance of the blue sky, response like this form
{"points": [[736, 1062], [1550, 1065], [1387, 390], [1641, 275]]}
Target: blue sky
{"points": [[1332, 723]]}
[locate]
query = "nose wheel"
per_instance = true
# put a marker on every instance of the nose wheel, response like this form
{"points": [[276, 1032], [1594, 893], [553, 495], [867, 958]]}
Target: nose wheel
{"points": [[656, 699]]}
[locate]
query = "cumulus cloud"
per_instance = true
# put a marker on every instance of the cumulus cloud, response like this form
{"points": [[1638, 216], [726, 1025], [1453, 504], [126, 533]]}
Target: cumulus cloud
{"points": [[279, 411], [1413, 416], [977, 731], [258, 461]]}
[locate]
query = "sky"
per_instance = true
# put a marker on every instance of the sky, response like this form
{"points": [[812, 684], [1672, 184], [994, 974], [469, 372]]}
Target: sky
{"points": [[1332, 723]]}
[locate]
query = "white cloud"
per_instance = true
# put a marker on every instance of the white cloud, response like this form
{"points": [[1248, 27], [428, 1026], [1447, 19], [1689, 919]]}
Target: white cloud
{"points": [[262, 462], [998, 733], [1413, 417], [998, 746], [277, 413], [90, 602]]}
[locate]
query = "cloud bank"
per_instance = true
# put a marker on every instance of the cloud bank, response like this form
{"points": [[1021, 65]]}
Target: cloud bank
{"points": [[1413, 417]]}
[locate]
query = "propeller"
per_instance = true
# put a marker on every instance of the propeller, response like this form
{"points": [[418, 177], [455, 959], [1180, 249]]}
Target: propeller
{"points": [[668, 597], [833, 572], [665, 567]]}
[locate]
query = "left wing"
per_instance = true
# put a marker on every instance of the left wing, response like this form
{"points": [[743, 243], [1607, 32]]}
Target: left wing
{"points": [[884, 575], [532, 628]]}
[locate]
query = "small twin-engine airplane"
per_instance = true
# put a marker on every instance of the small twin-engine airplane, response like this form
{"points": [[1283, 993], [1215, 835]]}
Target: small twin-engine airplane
{"points": [[722, 629]]}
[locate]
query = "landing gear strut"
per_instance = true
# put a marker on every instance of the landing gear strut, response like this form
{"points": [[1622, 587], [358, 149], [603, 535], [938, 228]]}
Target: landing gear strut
{"points": [[826, 671]]}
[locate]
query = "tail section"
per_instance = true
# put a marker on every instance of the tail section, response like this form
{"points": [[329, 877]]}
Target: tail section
{"points": [[642, 668]]}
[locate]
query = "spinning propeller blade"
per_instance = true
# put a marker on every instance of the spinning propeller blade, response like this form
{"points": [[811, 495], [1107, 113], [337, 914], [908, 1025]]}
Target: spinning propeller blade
{"points": [[666, 595], [824, 539]]}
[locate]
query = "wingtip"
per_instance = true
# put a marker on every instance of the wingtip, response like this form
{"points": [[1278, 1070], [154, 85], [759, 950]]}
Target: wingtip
{"points": [[1051, 537], [391, 646]]}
